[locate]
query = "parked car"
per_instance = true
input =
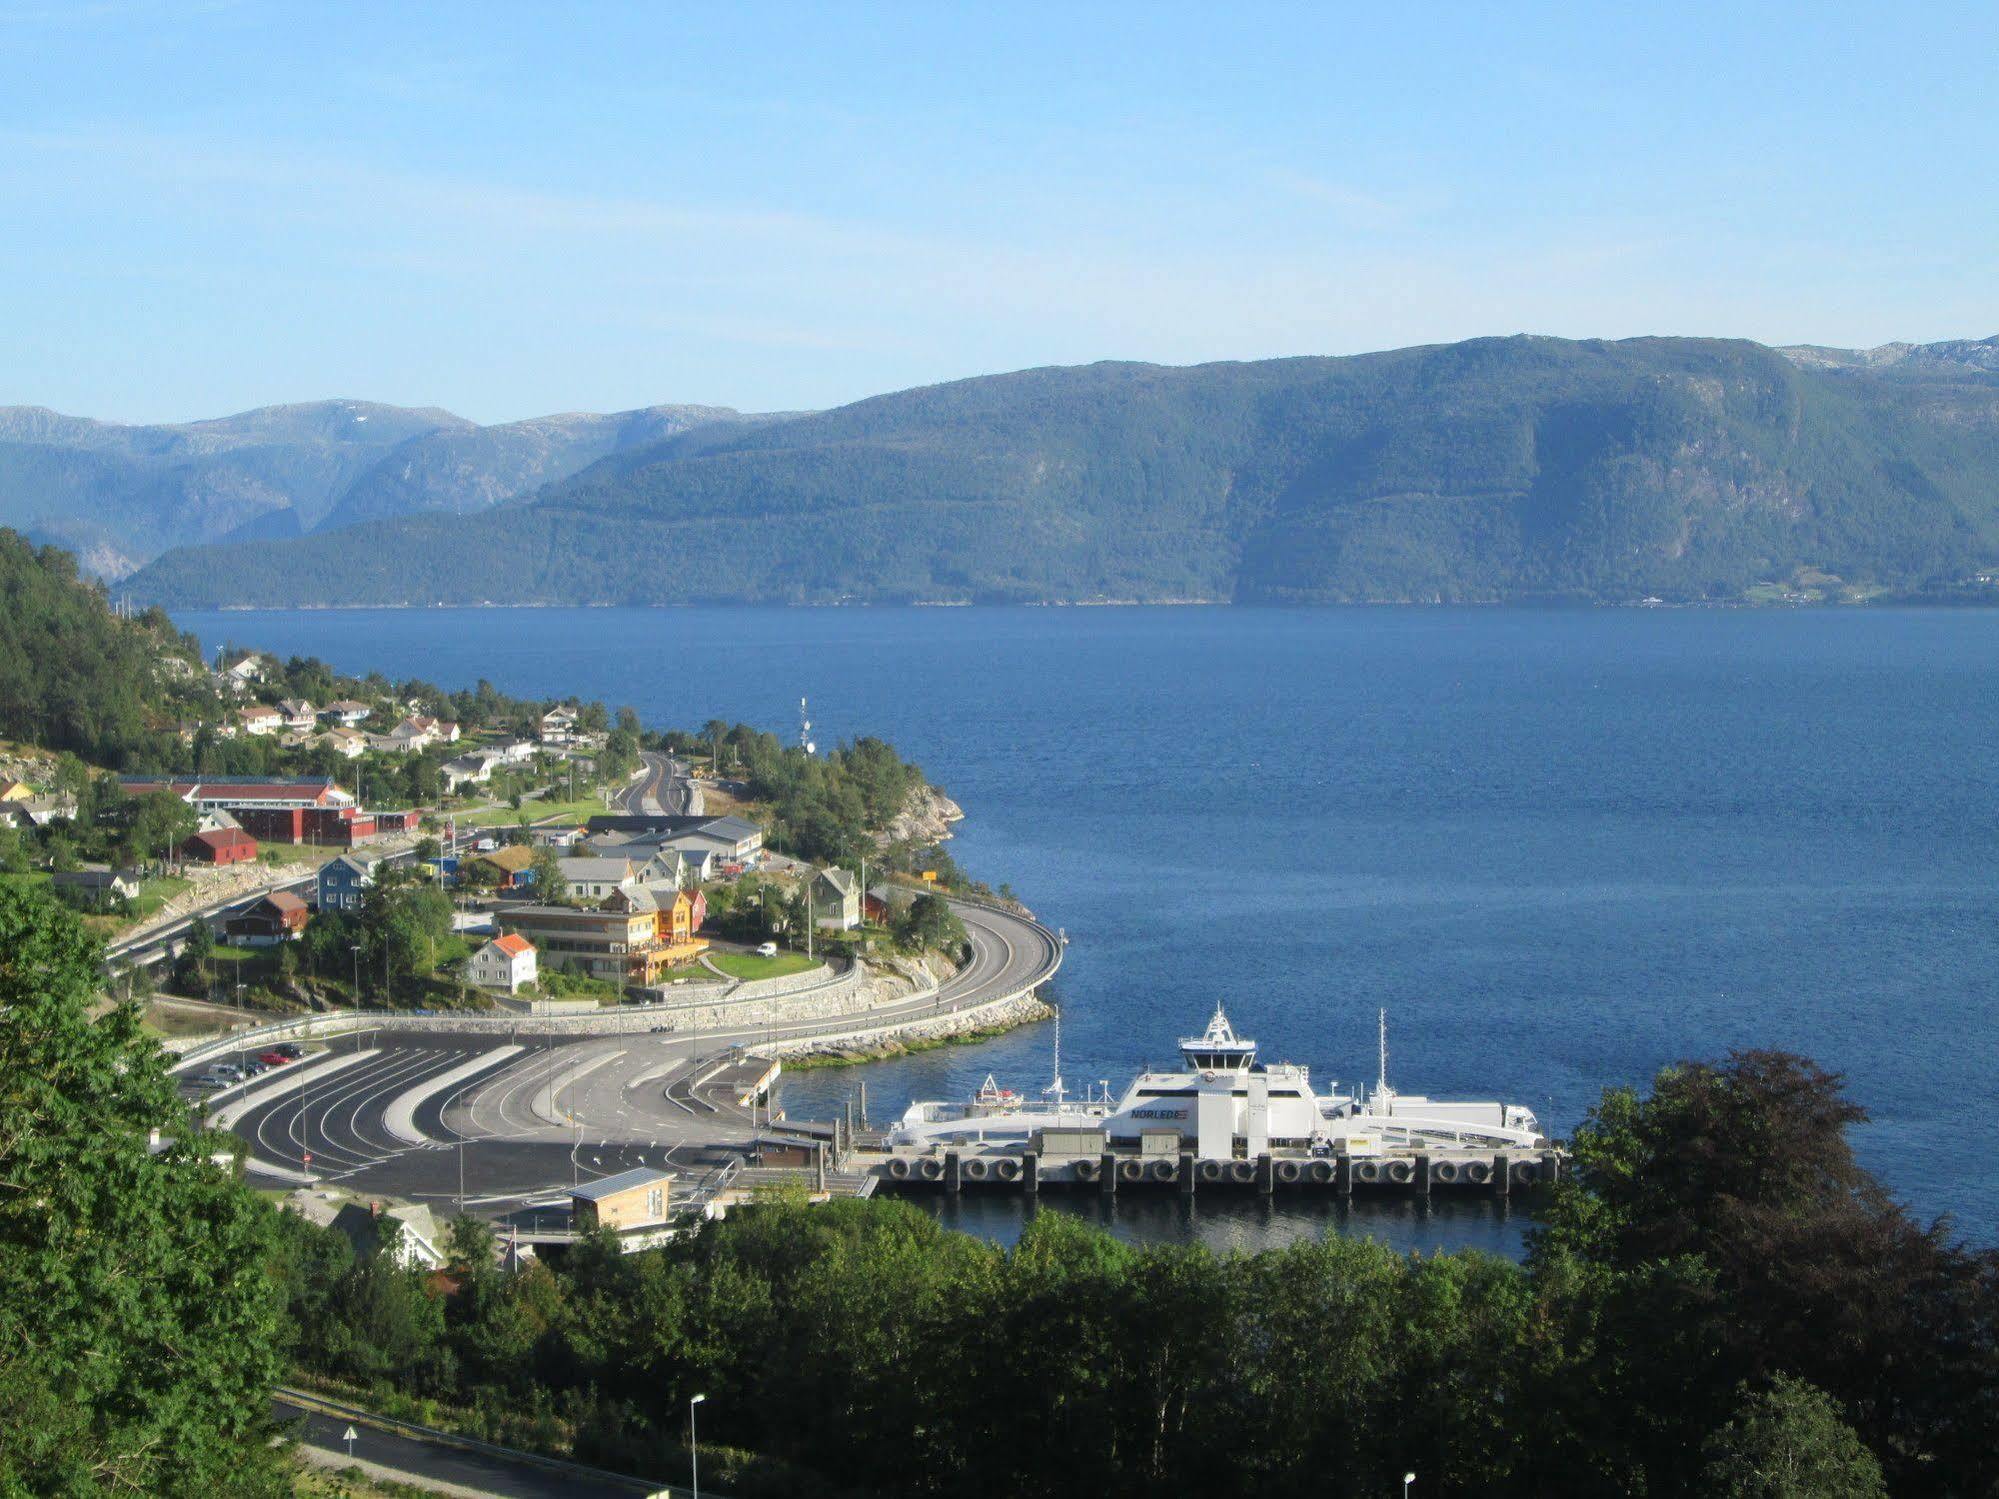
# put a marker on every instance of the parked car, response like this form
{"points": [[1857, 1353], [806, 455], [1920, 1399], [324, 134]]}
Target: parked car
{"points": [[766, 949], [290, 1050], [274, 1059]]}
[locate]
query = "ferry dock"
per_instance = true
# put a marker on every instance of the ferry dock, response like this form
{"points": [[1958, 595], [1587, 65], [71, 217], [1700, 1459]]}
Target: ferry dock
{"points": [[1060, 1165]]}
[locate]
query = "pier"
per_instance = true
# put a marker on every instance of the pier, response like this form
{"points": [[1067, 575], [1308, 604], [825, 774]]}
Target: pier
{"points": [[1109, 1172]]}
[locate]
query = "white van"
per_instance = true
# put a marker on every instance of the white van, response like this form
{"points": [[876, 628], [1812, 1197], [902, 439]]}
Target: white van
{"points": [[766, 949]]}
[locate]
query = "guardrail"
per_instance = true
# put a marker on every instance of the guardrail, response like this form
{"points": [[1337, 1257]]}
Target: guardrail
{"points": [[339, 1410], [624, 1017]]}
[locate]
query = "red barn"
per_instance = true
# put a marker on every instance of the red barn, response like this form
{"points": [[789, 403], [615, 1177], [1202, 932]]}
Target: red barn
{"points": [[223, 846]]}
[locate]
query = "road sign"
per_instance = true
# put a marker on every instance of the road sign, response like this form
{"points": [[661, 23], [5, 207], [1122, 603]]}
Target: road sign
{"points": [[348, 1437]]}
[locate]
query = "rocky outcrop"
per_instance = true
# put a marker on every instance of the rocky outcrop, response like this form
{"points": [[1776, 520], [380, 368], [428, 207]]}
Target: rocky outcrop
{"points": [[925, 818]]}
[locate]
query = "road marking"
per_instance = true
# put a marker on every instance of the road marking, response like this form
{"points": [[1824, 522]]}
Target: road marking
{"points": [[240, 1105], [399, 1119]]}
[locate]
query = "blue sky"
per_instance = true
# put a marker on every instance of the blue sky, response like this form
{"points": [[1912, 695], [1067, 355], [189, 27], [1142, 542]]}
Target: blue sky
{"points": [[512, 210]]}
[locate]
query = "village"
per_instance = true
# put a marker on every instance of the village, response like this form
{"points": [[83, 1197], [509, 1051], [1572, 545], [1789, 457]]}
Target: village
{"points": [[372, 851]]}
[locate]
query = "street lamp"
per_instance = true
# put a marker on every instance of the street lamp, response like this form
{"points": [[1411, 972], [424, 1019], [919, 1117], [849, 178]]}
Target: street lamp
{"points": [[1407, 1479], [694, 1446]]}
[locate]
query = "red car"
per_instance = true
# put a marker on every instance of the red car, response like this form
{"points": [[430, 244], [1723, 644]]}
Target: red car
{"points": [[274, 1059]]}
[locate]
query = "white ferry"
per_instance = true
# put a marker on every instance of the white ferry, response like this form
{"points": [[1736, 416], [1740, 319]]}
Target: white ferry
{"points": [[1224, 1104]]}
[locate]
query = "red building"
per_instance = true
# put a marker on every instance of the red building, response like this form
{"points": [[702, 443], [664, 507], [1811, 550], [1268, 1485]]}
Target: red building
{"points": [[278, 917], [308, 809], [223, 846]]}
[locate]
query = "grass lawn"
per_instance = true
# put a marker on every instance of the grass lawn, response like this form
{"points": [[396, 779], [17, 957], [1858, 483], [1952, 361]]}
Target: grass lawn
{"points": [[747, 965], [534, 811], [157, 892]]}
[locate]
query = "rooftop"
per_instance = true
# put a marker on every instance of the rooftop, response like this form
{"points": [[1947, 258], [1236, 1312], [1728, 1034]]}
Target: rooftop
{"points": [[624, 1181]]}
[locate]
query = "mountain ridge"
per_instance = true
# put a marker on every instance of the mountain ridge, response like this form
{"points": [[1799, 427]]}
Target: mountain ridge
{"points": [[1490, 470], [121, 493]]}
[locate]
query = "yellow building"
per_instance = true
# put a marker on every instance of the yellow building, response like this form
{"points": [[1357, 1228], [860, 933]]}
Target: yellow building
{"points": [[631, 1199]]}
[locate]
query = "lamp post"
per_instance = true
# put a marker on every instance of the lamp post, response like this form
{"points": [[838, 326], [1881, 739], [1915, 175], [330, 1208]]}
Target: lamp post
{"points": [[357, 973], [1407, 1479], [694, 1446]]}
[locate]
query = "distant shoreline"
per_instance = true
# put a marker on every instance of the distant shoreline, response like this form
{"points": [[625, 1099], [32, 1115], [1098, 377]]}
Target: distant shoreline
{"points": [[1823, 606]]}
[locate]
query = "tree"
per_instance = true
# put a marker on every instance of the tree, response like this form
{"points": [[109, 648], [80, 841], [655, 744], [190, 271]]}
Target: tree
{"points": [[157, 825], [198, 950], [1790, 1443], [1731, 1202], [139, 1336], [403, 919], [929, 922], [550, 885]]}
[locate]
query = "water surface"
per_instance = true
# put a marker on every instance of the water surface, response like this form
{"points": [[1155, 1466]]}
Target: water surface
{"points": [[1561, 848]]}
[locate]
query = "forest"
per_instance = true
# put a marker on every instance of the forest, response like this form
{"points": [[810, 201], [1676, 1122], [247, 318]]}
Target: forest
{"points": [[1718, 1300]]}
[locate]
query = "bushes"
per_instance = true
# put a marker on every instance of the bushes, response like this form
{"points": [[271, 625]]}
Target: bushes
{"points": [[859, 1347]]}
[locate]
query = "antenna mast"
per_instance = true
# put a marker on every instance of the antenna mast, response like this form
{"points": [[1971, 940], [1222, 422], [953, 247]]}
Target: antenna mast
{"points": [[805, 730], [1381, 1031]]}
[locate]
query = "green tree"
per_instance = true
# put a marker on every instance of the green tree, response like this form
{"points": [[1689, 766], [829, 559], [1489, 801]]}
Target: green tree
{"points": [[403, 920], [550, 885], [929, 922], [1789, 1442], [139, 1336]]}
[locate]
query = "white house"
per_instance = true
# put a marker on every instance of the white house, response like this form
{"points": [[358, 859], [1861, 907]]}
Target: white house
{"points": [[474, 768], [506, 964], [558, 726], [299, 714], [346, 713], [346, 743], [258, 719]]}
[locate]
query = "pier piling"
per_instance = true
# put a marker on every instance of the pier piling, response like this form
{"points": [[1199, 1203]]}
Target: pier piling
{"points": [[1266, 1175], [1030, 1173]]}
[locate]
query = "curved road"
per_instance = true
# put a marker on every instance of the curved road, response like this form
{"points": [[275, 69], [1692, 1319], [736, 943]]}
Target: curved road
{"points": [[664, 788], [500, 1121]]}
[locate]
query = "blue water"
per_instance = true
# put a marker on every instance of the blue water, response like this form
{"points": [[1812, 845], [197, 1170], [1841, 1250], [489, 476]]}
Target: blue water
{"points": [[1562, 848]]}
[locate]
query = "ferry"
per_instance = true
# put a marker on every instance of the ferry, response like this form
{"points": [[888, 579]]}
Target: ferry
{"points": [[1224, 1104]]}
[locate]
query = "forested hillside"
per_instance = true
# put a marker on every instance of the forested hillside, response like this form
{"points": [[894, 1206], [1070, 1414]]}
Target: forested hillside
{"points": [[74, 676], [1497, 469]]}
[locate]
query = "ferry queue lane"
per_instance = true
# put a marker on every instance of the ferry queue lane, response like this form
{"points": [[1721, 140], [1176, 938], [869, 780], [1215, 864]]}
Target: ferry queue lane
{"points": [[553, 1112]]}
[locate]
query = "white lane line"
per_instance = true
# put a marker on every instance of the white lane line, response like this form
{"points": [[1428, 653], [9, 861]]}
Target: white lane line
{"points": [[400, 1117], [575, 1076], [240, 1105], [360, 1089], [438, 1062]]}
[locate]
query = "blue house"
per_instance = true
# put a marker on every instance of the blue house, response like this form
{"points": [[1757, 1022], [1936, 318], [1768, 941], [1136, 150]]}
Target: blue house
{"points": [[342, 880]]}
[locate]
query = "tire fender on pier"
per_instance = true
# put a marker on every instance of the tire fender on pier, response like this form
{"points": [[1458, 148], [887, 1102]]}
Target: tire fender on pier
{"points": [[898, 1168], [930, 1169], [1322, 1172], [977, 1169], [1131, 1171], [1289, 1172], [1401, 1172]]}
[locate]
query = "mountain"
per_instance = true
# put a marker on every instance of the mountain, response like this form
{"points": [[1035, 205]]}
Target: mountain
{"points": [[468, 469], [1495, 469], [119, 495]]}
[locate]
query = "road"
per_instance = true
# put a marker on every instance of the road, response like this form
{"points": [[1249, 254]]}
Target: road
{"points": [[507, 1123], [413, 1458], [664, 788]]}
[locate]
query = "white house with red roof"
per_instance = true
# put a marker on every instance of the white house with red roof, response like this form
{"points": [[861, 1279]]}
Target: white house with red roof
{"points": [[506, 964]]}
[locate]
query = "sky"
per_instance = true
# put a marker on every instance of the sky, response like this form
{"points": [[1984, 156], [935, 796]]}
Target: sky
{"points": [[511, 210]]}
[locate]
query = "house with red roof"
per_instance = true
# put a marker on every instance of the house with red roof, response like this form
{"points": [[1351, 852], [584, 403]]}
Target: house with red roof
{"points": [[506, 964], [278, 917], [221, 846]]}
